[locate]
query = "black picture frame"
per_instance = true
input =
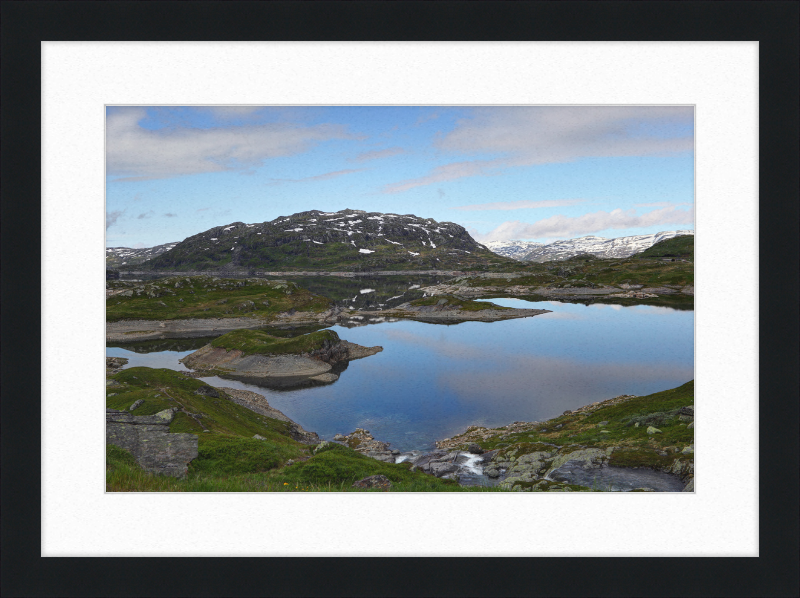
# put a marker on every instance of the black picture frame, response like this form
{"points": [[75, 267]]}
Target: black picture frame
{"points": [[773, 24]]}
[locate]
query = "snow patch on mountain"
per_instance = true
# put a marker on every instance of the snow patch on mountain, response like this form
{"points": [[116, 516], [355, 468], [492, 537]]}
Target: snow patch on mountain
{"points": [[597, 246]]}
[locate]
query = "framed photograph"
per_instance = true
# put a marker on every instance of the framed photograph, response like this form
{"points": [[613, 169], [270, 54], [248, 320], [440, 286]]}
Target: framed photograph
{"points": [[160, 138]]}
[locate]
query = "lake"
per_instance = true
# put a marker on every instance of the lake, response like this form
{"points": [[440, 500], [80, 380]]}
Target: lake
{"points": [[432, 381]]}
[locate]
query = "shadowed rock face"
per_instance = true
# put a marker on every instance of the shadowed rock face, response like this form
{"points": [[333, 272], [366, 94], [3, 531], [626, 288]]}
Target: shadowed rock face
{"points": [[149, 440]]}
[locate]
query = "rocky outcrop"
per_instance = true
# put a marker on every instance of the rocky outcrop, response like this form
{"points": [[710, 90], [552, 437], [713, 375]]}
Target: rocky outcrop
{"points": [[149, 440], [362, 442], [277, 371], [114, 364], [450, 313]]}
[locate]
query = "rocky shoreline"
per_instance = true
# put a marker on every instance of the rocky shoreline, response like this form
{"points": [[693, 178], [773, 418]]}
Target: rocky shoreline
{"points": [[143, 330], [625, 291], [518, 463]]}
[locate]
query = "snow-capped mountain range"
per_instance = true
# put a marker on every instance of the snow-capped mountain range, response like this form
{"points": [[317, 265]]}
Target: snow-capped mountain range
{"points": [[597, 246], [119, 256]]}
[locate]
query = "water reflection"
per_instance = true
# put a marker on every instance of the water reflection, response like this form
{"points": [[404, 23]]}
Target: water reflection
{"points": [[430, 382]]}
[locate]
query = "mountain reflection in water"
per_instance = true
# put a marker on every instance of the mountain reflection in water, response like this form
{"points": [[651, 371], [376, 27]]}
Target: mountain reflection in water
{"points": [[431, 382]]}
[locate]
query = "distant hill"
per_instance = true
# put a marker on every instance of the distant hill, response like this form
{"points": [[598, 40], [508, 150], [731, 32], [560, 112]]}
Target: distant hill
{"points": [[128, 256], [565, 249], [514, 249], [348, 240], [681, 246]]}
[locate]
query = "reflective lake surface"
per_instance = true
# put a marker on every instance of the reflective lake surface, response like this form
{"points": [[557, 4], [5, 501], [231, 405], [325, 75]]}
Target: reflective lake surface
{"points": [[432, 381]]}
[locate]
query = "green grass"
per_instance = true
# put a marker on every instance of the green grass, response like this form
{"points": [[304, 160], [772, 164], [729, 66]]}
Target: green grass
{"points": [[162, 389], [680, 246], [229, 458], [580, 272], [252, 342], [454, 302], [638, 448], [227, 465], [182, 297]]}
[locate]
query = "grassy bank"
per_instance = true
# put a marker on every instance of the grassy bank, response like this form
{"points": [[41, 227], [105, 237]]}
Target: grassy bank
{"points": [[649, 431], [229, 458], [183, 297]]}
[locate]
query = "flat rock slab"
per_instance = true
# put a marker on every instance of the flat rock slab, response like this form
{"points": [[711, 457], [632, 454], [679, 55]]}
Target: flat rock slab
{"points": [[271, 371], [149, 440], [237, 363], [484, 315]]}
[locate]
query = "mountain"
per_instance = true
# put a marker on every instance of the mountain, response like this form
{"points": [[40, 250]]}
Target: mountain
{"points": [[680, 246], [597, 246], [513, 249], [128, 256], [348, 240]]}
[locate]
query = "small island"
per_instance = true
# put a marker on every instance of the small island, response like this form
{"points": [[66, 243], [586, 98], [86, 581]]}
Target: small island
{"points": [[260, 358]]}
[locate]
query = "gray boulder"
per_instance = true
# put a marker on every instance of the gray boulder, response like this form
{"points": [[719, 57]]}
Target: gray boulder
{"points": [[440, 469], [475, 449], [149, 440]]}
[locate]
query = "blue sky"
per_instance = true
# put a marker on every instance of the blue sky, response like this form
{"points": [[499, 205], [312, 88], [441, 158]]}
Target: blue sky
{"points": [[535, 173]]}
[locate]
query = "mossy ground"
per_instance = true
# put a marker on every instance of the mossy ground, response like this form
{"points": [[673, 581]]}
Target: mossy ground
{"points": [[251, 342], [229, 458], [183, 297], [680, 246], [648, 269]]}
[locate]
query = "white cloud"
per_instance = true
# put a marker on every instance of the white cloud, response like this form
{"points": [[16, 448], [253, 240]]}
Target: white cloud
{"points": [[567, 227], [440, 174], [525, 136], [521, 205], [374, 155], [319, 177], [136, 153]]}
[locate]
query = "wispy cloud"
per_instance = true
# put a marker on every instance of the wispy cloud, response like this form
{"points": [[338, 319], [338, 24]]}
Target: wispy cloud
{"points": [[441, 174], [521, 205], [111, 217], [170, 215], [319, 177], [135, 153], [202, 209], [526, 136], [566, 227], [145, 215], [374, 155]]}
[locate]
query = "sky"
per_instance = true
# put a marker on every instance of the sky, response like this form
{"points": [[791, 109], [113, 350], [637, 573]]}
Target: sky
{"points": [[534, 173]]}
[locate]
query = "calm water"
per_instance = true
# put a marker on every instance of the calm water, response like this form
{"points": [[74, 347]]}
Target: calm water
{"points": [[432, 381]]}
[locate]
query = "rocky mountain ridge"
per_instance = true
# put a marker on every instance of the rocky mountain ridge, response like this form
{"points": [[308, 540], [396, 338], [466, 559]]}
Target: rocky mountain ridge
{"points": [[598, 246], [131, 256], [352, 240]]}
